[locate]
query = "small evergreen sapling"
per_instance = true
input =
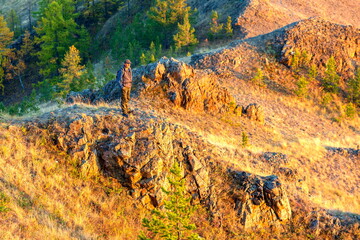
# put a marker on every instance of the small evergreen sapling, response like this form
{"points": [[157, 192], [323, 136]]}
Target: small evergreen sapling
{"points": [[331, 79], [173, 221]]}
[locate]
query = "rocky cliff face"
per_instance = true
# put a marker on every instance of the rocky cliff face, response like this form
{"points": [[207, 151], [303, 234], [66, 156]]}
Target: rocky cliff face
{"points": [[139, 152], [321, 40], [178, 84], [315, 37]]}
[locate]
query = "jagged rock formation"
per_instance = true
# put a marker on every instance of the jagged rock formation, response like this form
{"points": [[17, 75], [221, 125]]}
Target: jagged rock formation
{"points": [[321, 221], [321, 40], [140, 152], [184, 86], [260, 201]]}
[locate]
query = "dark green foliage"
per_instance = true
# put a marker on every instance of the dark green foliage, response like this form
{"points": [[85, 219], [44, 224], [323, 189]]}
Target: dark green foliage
{"points": [[216, 29], [27, 105], [185, 38], [57, 31], [88, 78], [14, 23], [331, 80], [150, 33], [354, 88], [173, 221], [95, 13]]}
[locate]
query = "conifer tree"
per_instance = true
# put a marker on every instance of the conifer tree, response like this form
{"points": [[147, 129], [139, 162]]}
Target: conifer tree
{"points": [[57, 31], [167, 14], [143, 60], [354, 88], [228, 27], [5, 39], [14, 22], [71, 72], [186, 34], [16, 65], [331, 79], [173, 222], [215, 27]]}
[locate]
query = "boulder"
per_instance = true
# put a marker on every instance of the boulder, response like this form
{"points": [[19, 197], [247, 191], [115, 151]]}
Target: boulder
{"points": [[255, 112], [321, 221], [260, 201]]}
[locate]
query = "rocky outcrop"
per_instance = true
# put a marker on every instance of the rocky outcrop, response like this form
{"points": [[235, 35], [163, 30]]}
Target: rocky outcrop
{"points": [[320, 40], [139, 153], [255, 112], [184, 86], [321, 221], [260, 201]]}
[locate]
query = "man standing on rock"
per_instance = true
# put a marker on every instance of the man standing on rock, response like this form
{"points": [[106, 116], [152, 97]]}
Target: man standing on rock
{"points": [[124, 76]]}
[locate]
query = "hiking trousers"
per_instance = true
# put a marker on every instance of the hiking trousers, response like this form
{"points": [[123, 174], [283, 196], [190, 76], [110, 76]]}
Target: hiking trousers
{"points": [[125, 98]]}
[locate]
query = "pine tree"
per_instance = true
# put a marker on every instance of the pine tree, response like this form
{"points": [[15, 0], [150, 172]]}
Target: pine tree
{"points": [[57, 31], [166, 14], [186, 34], [215, 27], [354, 88], [173, 222], [331, 79], [14, 22], [143, 59], [71, 72], [5, 39], [228, 27], [302, 87]]}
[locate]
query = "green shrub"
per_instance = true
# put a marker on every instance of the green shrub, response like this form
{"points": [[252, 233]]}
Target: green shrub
{"points": [[331, 80], [350, 110], [4, 200], [302, 87], [354, 88], [313, 71], [259, 77]]}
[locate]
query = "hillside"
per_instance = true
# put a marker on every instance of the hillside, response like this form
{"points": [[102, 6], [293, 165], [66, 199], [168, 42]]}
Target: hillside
{"points": [[256, 17], [85, 172]]}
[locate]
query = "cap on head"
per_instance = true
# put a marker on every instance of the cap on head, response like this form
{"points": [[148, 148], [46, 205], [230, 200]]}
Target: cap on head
{"points": [[127, 61]]}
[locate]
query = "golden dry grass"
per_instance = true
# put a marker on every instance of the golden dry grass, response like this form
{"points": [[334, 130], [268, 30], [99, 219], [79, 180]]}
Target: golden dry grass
{"points": [[49, 199]]}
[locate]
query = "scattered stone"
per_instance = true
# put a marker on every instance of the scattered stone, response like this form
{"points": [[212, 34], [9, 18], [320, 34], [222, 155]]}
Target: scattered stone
{"points": [[275, 159], [321, 221]]}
